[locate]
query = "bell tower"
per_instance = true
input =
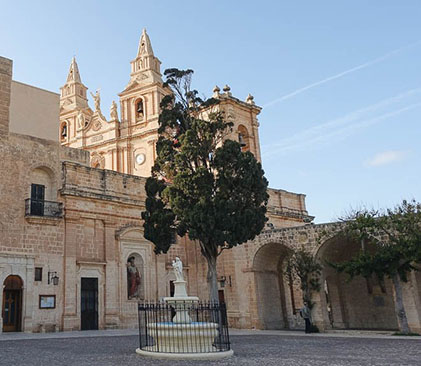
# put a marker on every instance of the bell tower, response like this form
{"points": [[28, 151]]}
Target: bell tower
{"points": [[139, 105], [73, 105], [73, 93]]}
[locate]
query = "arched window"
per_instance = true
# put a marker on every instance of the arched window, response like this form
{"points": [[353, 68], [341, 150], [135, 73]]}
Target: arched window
{"points": [[63, 131], [43, 177], [243, 138], [140, 109]]}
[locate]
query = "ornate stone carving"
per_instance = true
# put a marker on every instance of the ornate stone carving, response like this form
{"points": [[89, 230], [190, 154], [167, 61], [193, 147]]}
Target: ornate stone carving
{"points": [[97, 101], [113, 111], [98, 161], [97, 125]]}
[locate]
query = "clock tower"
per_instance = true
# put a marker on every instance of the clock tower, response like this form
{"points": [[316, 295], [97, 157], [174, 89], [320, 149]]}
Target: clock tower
{"points": [[125, 144]]}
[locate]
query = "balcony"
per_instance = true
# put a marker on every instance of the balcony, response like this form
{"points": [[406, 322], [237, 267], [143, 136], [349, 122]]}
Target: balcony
{"points": [[43, 208]]}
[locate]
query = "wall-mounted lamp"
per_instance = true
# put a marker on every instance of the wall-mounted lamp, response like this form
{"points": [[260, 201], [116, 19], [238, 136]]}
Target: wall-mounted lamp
{"points": [[53, 278], [222, 280]]}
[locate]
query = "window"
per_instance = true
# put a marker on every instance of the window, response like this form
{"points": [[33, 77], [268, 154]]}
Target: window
{"points": [[63, 133], [243, 138], [38, 274], [139, 109], [37, 199]]}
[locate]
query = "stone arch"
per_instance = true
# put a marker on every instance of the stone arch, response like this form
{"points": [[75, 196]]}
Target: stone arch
{"points": [[357, 304], [44, 176], [133, 244], [272, 286]]}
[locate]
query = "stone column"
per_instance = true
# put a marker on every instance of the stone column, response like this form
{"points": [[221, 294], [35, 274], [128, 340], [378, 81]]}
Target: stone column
{"points": [[112, 277], [70, 318]]}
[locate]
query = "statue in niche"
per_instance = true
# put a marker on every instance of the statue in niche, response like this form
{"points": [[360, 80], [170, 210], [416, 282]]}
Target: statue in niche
{"points": [[80, 120], [177, 266], [113, 111], [97, 100], [133, 279]]}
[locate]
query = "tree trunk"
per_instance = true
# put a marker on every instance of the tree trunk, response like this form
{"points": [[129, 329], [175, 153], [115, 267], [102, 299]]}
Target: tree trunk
{"points": [[399, 307], [212, 279]]}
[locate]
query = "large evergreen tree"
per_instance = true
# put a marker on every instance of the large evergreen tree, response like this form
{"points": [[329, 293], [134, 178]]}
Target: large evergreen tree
{"points": [[396, 237], [202, 185]]}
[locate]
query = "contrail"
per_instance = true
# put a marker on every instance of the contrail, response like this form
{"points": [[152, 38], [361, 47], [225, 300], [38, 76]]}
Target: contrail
{"points": [[341, 126], [343, 73]]}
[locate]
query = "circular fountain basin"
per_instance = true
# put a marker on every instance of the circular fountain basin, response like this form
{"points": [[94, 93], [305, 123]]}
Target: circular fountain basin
{"points": [[183, 341]]}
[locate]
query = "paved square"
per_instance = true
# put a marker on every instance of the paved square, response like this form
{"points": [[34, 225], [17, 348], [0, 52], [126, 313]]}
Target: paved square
{"points": [[262, 350]]}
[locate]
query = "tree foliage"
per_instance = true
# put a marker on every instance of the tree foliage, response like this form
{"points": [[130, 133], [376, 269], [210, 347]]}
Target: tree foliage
{"points": [[396, 237], [202, 185], [304, 266]]}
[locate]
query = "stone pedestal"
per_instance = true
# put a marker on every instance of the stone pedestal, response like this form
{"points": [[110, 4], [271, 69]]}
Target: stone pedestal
{"points": [[181, 306], [180, 288], [181, 303]]}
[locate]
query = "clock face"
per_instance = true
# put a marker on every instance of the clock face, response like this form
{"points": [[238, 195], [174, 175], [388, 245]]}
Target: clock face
{"points": [[140, 159]]}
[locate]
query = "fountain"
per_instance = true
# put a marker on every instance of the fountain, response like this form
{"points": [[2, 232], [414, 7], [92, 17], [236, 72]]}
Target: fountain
{"points": [[183, 338]]}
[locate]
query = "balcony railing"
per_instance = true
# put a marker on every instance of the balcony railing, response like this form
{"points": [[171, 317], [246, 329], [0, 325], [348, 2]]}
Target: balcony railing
{"points": [[43, 208]]}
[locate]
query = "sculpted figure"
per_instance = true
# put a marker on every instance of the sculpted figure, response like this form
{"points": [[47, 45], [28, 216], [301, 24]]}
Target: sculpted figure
{"points": [[80, 120], [177, 266], [133, 279], [113, 111], [97, 100]]}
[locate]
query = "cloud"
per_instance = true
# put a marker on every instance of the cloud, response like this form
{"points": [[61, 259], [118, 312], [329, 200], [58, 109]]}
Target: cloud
{"points": [[340, 128], [387, 157], [339, 75]]}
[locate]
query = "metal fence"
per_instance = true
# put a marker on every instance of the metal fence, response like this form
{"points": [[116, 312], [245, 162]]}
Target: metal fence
{"points": [[206, 333]]}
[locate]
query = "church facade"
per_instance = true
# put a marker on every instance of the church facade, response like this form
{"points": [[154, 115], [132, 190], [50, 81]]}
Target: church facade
{"points": [[72, 251]]}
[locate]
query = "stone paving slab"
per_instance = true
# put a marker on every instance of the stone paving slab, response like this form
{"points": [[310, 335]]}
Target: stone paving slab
{"points": [[232, 332], [268, 350]]}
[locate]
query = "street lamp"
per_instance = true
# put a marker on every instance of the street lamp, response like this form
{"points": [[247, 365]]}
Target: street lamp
{"points": [[53, 278]]}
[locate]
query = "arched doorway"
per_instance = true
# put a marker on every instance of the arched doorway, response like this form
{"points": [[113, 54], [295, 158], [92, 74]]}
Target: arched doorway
{"points": [[274, 291], [359, 303], [12, 304]]}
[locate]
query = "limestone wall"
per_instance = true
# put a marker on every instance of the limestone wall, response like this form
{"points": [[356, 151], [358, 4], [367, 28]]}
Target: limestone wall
{"points": [[5, 90], [34, 111]]}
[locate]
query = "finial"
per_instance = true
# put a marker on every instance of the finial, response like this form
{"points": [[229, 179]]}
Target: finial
{"points": [[250, 99], [216, 91], [226, 88]]}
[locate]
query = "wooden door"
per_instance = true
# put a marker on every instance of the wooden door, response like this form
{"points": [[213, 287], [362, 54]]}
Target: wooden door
{"points": [[89, 303], [12, 304], [221, 296]]}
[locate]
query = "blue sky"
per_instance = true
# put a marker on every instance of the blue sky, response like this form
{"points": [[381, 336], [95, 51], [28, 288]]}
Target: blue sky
{"points": [[340, 81]]}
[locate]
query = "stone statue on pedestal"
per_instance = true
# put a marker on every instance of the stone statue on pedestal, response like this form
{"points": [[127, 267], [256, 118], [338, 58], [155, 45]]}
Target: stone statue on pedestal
{"points": [[113, 111], [177, 266], [97, 101], [80, 120]]}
